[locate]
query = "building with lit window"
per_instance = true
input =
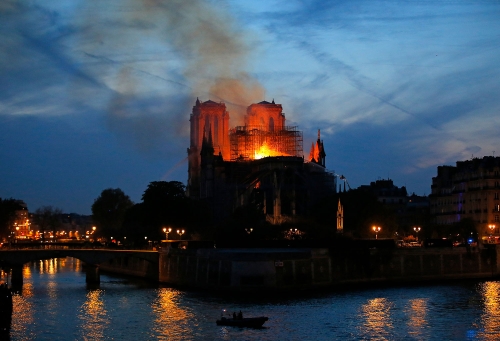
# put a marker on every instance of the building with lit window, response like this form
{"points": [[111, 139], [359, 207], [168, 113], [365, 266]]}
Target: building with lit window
{"points": [[20, 228], [471, 189]]}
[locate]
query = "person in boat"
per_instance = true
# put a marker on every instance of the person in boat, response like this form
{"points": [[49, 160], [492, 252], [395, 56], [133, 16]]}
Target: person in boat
{"points": [[240, 315]]}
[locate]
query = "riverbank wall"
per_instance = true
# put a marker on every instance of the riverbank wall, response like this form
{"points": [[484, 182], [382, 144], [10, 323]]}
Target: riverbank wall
{"points": [[250, 269], [283, 269], [133, 267]]}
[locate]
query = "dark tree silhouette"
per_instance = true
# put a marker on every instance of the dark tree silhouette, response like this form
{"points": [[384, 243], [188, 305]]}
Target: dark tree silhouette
{"points": [[8, 208], [165, 205], [163, 191], [108, 211], [48, 219]]}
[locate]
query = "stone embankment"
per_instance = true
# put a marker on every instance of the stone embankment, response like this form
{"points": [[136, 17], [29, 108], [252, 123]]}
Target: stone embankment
{"points": [[243, 269]]}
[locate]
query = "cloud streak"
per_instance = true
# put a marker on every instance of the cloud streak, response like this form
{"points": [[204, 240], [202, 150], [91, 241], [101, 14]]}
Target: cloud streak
{"points": [[397, 88]]}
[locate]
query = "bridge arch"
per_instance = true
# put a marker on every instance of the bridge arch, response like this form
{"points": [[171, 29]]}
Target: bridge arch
{"points": [[93, 258]]}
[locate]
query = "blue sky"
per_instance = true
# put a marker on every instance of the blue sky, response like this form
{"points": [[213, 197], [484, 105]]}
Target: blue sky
{"points": [[97, 94]]}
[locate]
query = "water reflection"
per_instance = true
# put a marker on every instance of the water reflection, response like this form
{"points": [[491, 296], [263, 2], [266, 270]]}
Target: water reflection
{"points": [[416, 311], [48, 266], [22, 316], [377, 319], [490, 318], [171, 320], [54, 305], [93, 316]]}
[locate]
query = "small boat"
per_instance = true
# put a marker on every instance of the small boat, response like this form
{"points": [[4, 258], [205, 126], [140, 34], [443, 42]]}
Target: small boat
{"points": [[240, 321]]}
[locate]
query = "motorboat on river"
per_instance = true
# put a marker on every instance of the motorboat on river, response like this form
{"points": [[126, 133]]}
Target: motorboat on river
{"points": [[237, 320]]}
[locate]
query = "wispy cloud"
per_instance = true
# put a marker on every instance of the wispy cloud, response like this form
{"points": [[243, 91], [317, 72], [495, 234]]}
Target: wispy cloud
{"points": [[396, 88]]}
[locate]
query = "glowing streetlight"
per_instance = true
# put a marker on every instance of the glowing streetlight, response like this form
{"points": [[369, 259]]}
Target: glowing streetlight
{"points": [[376, 229], [417, 230], [492, 228], [167, 231], [180, 233]]}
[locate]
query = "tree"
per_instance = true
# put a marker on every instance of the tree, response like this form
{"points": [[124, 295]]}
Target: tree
{"points": [[48, 219], [8, 208], [164, 204], [108, 210], [163, 191]]}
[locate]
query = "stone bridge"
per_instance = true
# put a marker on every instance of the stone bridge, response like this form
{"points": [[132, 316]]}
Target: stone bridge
{"points": [[15, 259]]}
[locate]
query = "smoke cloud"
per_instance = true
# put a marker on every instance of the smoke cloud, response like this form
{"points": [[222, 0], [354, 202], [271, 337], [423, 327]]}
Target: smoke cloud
{"points": [[213, 50], [140, 62]]}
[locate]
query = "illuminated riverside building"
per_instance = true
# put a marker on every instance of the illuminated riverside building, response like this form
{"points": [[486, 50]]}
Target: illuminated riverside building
{"points": [[20, 228], [260, 163], [471, 189]]}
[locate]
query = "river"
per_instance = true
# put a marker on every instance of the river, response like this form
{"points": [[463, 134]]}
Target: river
{"points": [[55, 304]]}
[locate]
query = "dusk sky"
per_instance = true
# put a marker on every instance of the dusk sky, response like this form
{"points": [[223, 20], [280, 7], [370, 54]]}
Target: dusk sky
{"points": [[97, 94]]}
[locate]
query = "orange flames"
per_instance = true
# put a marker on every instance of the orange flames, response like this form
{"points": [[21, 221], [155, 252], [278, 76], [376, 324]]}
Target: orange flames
{"points": [[265, 151]]}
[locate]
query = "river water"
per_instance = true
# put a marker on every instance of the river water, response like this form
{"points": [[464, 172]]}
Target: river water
{"points": [[55, 304]]}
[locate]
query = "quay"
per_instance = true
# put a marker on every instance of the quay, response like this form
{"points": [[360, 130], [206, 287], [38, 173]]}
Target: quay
{"points": [[275, 267], [291, 268]]}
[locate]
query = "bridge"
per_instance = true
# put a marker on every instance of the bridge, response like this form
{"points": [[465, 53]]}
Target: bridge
{"points": [[15, 259]]}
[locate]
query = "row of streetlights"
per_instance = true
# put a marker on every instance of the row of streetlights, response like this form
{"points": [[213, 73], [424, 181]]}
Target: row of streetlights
{"points": [[377, 229], [168, 230]]}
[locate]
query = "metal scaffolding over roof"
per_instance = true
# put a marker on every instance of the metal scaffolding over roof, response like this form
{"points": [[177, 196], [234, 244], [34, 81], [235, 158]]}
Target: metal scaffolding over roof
{"points": [[255, 142]]}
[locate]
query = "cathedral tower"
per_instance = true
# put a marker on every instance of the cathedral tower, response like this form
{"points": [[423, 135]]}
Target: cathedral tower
{"points": [[207, 119]]}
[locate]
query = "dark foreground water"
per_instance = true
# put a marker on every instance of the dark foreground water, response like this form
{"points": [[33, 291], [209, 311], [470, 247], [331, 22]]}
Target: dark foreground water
{"points": [[56, 305]]}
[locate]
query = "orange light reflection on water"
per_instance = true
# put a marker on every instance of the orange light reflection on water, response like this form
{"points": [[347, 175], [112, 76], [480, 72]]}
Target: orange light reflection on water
{"points": [[171, 321], [377, 317], [22, 313], [93, 316], [491, 311], [416, 310], [48, 266]]}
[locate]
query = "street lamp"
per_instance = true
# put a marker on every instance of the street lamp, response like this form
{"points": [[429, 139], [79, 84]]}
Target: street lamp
{"points": [[417, 230], [376, 229], [492, 228], [180, 233], [167, 231]]}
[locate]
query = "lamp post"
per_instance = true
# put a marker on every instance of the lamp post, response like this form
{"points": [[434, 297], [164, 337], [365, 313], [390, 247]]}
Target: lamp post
{"points": [[167, 231], [417, 230], [492, 228], [376, 229], [180, 233], [93, 233]]}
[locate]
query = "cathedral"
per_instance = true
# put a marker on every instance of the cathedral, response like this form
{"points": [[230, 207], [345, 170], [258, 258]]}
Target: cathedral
{"points": [[260, 163]]}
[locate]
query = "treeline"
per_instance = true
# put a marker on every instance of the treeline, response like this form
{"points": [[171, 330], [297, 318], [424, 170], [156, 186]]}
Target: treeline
{"points": [[8, 209], [164, 205], [45, 218]]}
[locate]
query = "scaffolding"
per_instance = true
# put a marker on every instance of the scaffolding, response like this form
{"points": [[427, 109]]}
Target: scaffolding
{"points": [[254, 142]]}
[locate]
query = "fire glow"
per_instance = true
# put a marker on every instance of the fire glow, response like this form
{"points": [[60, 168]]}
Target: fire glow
{"points": [[266, 151]]}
